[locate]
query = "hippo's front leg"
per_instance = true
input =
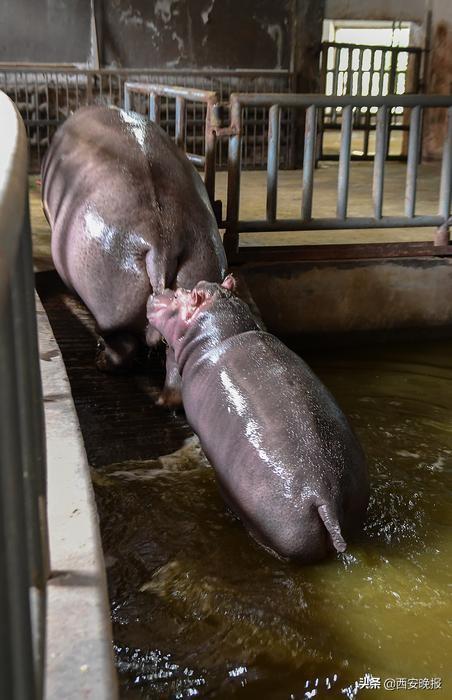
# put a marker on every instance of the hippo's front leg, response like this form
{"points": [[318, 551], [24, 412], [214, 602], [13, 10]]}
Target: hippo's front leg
{"points": [[117, 352], [171, 395]]}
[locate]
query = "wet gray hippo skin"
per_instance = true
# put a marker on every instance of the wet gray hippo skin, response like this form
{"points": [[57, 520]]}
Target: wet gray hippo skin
{"points": [[129, 216], [286, 458]]}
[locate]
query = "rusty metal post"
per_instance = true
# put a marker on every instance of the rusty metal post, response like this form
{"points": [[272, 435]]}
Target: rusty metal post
{"points": [[412, 161], [379, 161], [309, 162], [442, 233], [89, 88], [231, 236], [344, 162], [154, 107], [126, 97], [274, 121], [180, 122], [212, 123]]}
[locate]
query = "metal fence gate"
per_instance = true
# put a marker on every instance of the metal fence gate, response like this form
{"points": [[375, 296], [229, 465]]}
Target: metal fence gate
{"points": [[312, 105], [370, 71]]}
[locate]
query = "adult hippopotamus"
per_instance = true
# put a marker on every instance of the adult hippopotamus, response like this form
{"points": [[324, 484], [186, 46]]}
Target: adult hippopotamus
{"points": [[286, 458], [129, 216]]}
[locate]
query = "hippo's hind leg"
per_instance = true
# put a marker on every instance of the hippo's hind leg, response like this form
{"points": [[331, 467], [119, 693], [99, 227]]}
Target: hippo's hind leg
{"points": [[171, 395], [117, 352]]}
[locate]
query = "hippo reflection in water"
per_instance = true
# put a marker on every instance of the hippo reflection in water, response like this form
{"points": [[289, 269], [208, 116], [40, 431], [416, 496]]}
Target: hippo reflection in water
{"points": [[129, 216], [286, 458]]}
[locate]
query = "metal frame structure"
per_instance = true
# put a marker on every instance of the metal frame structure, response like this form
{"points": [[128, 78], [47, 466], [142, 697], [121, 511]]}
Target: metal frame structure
{"points": [[24, 554], [312, 104], [183, 96], [47, 94], [343, 72]]}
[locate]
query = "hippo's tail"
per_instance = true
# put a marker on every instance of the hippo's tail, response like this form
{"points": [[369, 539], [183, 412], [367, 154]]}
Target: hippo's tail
{"points": [[331, 523]]}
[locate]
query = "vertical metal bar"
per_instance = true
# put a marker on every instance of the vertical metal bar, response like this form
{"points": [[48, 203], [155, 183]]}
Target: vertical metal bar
{"points": [[412, 161], [38, 119], [154, 108], [366, 132], [416, 72], [119, 82], [57, 100], [274, 123], [29, 393], [231, 236], [393, 71], [442, 235], [210, 152], [89, 88], [47, 108], [13, 546], [180, 122], [68, 111], [308, 162], [336, 70], [349, 90], [126, 97], [335, 90], [379, 161], [324, 59], [344, 162], [381, 73], [359, 88]]}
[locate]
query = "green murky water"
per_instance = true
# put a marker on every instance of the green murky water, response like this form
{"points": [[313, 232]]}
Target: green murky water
{"points": [[199, 610]]}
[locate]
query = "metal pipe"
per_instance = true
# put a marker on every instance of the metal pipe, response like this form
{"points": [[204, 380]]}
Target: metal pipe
{"points": [[13, 547], [308, 162], [180, 122], [379, 162], [344, 162], [284, 99], [154, 108], [335, 224], [446, 171], [210, 139], [442, 234], [126, 97], [172, 91], [231, 237], [274, 120], [196, 159], [29, 399], [412, 161]]}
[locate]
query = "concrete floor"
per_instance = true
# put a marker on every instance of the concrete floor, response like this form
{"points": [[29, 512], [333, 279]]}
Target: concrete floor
{"points": [[253, 203]]}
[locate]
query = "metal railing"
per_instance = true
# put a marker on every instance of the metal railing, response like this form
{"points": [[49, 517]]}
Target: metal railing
{"points": [[47, 94], [24, 557], [351, 69], [307, 222], [182, 96]]}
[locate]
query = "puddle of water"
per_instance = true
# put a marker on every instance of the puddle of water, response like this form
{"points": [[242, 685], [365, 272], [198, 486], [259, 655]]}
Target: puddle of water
{"points": [[200, 610]]}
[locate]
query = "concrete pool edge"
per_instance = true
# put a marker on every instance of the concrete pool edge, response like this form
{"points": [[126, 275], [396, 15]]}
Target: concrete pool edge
{"points": [[339, 297], [79, 651]]}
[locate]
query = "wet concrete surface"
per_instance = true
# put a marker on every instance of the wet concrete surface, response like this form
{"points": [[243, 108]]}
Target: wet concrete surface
{"points": [[117, 413]]}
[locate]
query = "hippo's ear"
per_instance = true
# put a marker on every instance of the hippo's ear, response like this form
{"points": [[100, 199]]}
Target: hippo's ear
{"points": [[198, 297], [229, 283]]}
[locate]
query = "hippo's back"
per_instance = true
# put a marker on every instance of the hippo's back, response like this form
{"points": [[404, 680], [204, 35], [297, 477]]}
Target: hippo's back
{"points": [[284, 438], [128, 212]]}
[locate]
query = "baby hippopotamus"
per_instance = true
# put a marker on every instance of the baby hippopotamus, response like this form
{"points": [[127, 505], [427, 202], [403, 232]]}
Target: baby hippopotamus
{"points": [[286, 458]]}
